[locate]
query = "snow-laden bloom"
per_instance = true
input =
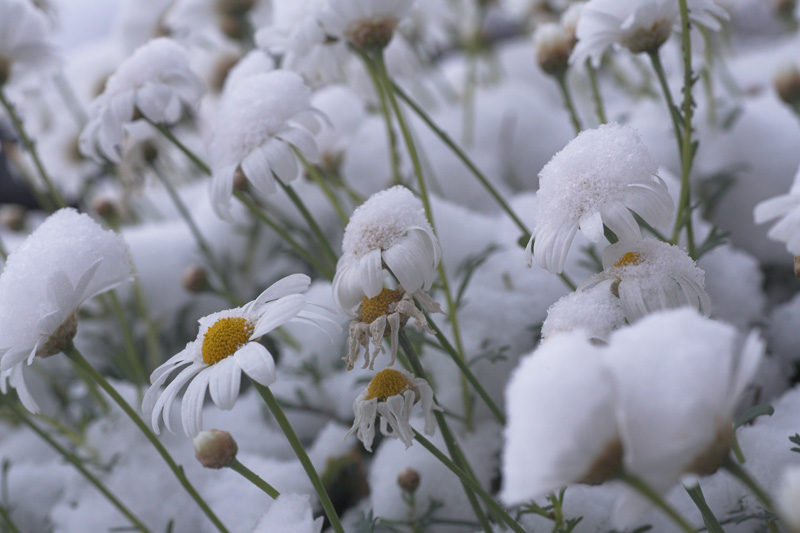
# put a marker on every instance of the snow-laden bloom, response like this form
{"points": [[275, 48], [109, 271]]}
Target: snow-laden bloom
{"points": [[23, 40], [391, 394], [785, 207], [227, 345], [638, 25], [389, 229], [156, 80], [650, 275], [595, 311], [290, 513], [366, 24], [600, 178], [384, 315], [66, 261], [259, 121]]}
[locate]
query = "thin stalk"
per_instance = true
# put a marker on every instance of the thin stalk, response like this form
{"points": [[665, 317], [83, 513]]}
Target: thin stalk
{"points": [[709, 519], [312, 224], [561, 79], [598, 99], [3, 251], [321, 267], [658, 67], [73, 459], [471, 483], [316, 176], [736, 470], [6, 516], [253, 478], [153, 356], [72, 102], [127, 335], [30, 147], [199, 163], [297, 446], [648, 493], [79, 361]]}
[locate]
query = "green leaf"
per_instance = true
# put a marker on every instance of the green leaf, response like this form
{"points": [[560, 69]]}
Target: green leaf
{"points": [[753, 413]]}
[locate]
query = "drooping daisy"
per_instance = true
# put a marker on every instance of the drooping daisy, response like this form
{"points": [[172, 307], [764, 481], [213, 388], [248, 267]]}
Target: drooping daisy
{"points": [[599, 179], [227, 345], [638, 25], [23, 41], [388, 230], [259, 121], [66, 261], [785, 207], [391, 394], [367, 25], [156, 81]]}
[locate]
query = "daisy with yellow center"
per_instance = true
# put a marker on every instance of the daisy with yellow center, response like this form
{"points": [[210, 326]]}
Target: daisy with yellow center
{"points": [[227, 345], [391, 394]]}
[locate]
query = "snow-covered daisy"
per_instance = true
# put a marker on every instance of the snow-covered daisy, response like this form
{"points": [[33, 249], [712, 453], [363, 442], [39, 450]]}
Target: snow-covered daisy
{"points": [[156, 80], [23, 40], [227, 345], [638, 25], [785, 207], [367, 24], [259, 121], [391, 394], [595, 311], [650, 276], [66, 261], [599, 179], [389, 229]]}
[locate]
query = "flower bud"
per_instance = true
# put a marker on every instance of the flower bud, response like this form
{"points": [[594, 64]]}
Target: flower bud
{"points": [[215, 448], [553, 47], [408, 480], [13, 217], [797, 266], [787, 85], [195, 279]]}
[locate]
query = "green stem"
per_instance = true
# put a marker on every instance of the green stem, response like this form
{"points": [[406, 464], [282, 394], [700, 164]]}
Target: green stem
{"points": [[30, 147], [297, 446], [709, 519], [736, 470], [153, 356], [6, 516], [658, 67], [315, 174], [312, 224], [568, 103], [127, 335], [642, 488], [79, 361], [199, 163], [598, 100], [253, 478], [470, 482], [73, 459]]}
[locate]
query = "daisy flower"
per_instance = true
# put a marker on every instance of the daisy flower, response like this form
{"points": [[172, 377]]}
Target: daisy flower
{"points": [[259, 121], [366, 24], [785, 207], [155, 81], [599, 179], [23, 40], [66, 261], [227, 345], [389, 229], [595, 311], [391, 394]]}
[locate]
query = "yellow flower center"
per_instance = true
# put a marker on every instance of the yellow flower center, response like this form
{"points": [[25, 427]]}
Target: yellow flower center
{"points": [[224, 338], [386, 383], [372, 308], [630, 258]]}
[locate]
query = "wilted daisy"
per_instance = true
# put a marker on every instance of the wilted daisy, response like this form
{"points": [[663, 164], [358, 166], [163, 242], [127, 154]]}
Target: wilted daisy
{"points": [[388, 230], [638, 25], [259, 121], [23, 40], [66, 261], [391, 394], [155, 81], [785, 207], [227, 345], [366, 24], [599, 179]]}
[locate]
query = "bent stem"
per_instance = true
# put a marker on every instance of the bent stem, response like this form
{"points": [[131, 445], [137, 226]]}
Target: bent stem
{"points": [[301, 454], [74, 354], [73, 459], [253, 478], [647, 492]]}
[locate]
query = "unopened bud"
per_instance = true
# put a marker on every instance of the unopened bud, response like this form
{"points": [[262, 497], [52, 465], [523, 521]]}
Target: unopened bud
{"points": [[787, 85], [373, 34], [240, 182], [797, 266], [13, 217], [553, 47], [215, 448], [195, 279], [107, 209], [408, 480]]}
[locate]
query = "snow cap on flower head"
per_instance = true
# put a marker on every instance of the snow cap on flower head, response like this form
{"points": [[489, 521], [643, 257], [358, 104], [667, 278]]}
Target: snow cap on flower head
{"points": [[66, 261], [389, 229], [259, 120], [156, 80], [785, 207], [366, 24], [595, 311], [23, 40], [598, 179]]}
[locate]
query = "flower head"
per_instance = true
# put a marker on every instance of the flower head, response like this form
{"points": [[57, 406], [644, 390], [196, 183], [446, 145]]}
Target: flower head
{"points": [[23, 40], [391, 394], [389, 229], [66, 261], [227, 345], [260, 120], [599, 179], [595, 311], [785, 207], [156, 81], [366, 24]]}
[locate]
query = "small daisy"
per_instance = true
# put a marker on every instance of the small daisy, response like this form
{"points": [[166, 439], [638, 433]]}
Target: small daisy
{"points": [[388, 230], [66, 261], [599, 179], [259, 121], [650, 276], [23, 40], [227, 345], [785, 207], [155, 81], [384, 315], [391, 394], [368, 25]]}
